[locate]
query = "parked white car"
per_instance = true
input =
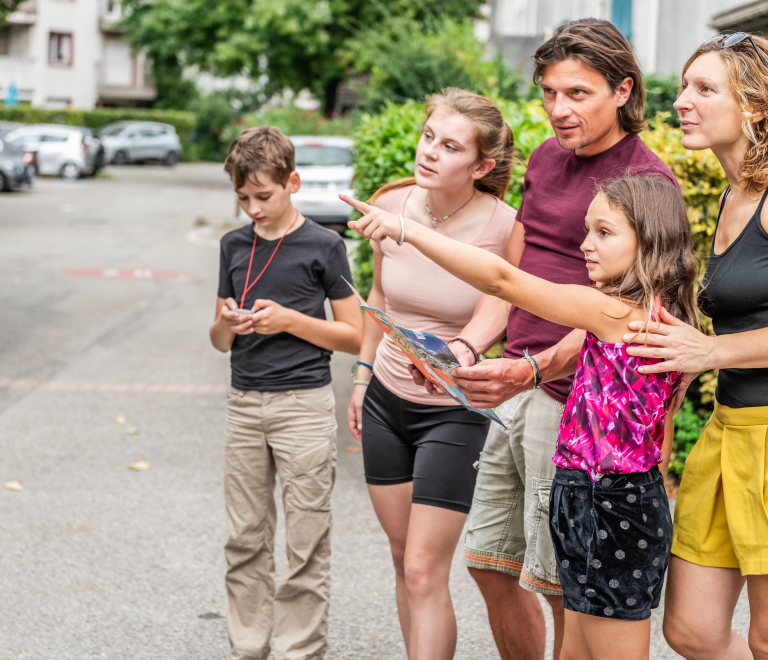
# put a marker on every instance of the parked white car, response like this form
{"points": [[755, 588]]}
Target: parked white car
{"points": [[325, 167], [59, 150], [132, 141]]}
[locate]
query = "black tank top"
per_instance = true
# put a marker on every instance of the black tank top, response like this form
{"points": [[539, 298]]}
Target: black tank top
{"points": [[734, 294]]}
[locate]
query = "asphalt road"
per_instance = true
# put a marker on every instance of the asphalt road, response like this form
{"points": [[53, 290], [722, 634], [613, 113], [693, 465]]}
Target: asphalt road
{"points": [[107, 288]]}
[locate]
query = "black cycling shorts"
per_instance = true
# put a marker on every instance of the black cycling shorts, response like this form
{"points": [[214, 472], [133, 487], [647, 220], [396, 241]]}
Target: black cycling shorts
{"points": [[436, 447]]}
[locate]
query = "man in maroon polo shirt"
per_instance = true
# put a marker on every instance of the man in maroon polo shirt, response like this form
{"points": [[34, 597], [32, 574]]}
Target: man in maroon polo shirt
{"points": [[594, 97]]}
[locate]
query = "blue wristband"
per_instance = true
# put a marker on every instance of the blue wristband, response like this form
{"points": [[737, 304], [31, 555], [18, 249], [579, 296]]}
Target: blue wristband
{"points": [[353, 372], [535, 367]]}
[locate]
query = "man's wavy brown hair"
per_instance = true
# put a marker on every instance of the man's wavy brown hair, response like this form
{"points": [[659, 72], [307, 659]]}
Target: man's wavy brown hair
{"points": [[665, 265], [748, 79], [598, 44]]}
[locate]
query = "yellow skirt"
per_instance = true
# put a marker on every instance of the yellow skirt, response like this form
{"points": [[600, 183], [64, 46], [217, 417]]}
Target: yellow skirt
{"points": [[721, 517]]}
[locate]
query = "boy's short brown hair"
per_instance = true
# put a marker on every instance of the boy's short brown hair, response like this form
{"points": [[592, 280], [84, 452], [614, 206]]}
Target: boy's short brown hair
{"points": [[263, 149]]}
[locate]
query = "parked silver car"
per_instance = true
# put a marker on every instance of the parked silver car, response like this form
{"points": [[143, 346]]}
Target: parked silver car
{"points": [[132, 141], [325, 167], [59, 150]]}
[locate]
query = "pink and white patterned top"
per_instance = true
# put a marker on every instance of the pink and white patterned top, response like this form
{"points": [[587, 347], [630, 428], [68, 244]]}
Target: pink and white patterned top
{"points": [[614, 416]]}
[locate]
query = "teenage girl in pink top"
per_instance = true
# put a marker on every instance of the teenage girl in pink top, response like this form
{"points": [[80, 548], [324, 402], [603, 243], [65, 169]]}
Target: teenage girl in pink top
{"points": [[609, 515], [418, 448]]}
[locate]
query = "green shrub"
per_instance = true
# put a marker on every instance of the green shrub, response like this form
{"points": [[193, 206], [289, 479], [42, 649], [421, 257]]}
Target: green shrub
{"points": [[385, 148], [183, 122], [661, 93], [214, 113], [689, 423]]}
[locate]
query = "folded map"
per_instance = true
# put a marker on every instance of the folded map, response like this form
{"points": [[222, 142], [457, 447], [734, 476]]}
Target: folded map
{"points": [[429, 353]]}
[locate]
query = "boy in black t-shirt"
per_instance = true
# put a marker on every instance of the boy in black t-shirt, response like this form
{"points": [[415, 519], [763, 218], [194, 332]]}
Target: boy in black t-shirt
{"points": [[280, 408]]}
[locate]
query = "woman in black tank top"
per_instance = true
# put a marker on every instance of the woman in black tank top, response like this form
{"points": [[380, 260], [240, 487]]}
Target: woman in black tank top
{"points": [[721, 518], [734, 294]]}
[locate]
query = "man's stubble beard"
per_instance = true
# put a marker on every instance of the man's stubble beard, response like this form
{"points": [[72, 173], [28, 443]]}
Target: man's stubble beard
{"points": [[574, 143]]}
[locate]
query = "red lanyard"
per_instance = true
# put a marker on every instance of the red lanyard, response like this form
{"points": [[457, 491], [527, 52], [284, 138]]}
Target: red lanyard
{"points": [[274, 252]]}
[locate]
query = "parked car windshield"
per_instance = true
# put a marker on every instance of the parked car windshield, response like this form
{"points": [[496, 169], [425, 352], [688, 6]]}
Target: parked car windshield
{"points": [[113, 129], [307, 156]]}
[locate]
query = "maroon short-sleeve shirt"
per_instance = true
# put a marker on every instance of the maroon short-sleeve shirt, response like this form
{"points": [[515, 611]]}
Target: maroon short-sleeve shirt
{"points": [[557, 191]]}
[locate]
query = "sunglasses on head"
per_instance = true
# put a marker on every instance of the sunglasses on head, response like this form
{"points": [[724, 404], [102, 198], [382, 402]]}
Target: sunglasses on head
{"points": [[730, 40]]}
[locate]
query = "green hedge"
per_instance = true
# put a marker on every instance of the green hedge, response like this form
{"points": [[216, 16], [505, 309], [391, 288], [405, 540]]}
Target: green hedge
{"points": [[183, 122]]}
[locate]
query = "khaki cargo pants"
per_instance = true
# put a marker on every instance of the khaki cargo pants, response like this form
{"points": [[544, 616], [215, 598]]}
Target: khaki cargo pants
{"points": [[291, 434], [508, 525]]}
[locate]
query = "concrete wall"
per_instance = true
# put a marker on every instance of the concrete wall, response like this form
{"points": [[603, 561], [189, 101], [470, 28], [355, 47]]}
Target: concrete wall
{"points": [[664, 32], [58, 83], [102, 66]]}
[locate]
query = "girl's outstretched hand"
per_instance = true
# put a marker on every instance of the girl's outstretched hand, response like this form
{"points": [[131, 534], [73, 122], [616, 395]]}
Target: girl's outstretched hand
{"points": [[375, 223]]}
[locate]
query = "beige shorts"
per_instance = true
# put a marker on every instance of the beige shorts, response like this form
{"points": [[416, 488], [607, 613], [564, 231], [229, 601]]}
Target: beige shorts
{"points": [[508, 525]]}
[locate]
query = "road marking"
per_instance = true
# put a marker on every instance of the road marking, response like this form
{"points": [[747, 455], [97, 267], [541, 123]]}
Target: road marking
{"points": [[159, 388], [202, 236], [127, 273]]}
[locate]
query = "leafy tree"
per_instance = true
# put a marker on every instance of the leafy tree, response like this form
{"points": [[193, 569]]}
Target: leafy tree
{"points": [[8, 7], [407, 60], [290, 43]]}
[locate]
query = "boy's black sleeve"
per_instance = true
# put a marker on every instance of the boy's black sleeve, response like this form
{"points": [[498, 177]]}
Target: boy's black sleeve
{"points": [[336, 267], [226, 288]]}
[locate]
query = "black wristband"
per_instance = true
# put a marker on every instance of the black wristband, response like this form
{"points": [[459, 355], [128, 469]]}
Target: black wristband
{"points": [[471, 348]]}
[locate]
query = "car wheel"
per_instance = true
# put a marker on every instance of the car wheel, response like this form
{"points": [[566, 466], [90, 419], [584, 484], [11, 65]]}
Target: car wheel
{"points": [[70, 171], [120, 158], [4, 183], [171, 159]]}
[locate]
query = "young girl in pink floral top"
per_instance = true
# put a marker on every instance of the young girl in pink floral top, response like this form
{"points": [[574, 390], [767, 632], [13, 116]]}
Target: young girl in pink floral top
{"points": [[609, 515]]}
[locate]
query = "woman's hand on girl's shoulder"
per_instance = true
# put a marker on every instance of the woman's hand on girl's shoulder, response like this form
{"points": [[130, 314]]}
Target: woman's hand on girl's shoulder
{"points": [[681, 346]]}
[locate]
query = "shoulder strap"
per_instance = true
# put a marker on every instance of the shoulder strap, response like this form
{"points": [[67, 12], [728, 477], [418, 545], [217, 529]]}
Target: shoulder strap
{"points": [[760, 206], [725, 196]]}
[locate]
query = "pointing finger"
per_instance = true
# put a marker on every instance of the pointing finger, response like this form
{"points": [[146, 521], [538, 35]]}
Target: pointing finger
{"points": [[356, 203]]}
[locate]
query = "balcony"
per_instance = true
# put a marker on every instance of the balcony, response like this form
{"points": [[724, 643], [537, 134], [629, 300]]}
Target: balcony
{"points": [[25, 14], [124, 80]]}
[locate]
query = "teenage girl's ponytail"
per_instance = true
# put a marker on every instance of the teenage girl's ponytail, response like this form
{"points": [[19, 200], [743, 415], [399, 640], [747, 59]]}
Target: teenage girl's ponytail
{"points": [[392, 185], [493, 138]]}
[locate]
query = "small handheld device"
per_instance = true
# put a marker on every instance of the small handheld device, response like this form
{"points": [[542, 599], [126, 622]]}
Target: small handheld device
{"points": [[242, 311]]}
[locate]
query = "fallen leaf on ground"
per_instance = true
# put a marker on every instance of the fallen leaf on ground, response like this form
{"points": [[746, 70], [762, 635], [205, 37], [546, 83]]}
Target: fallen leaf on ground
{"points": [[13, 485], [121, 420], [139, 465], [132, 430], [355, 449]]}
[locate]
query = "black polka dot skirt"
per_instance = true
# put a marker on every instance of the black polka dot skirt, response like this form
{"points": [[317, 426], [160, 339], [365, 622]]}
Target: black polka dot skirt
{"points": [[612, 542]]}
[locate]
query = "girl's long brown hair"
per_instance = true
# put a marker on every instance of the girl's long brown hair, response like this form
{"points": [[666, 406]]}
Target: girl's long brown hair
{"points": [[493, 139], [665, 265]]}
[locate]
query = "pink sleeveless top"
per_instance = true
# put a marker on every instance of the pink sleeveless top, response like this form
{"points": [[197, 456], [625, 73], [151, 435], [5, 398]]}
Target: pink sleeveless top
{"points": [[422, 296], [614, 416]]}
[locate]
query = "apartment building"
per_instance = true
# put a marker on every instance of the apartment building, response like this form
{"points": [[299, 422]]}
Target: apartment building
{"points": [[71, 54], [663, 33]]}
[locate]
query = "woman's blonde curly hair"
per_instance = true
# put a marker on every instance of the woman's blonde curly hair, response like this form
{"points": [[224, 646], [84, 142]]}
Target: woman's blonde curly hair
{"points": [[748, 79]]}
